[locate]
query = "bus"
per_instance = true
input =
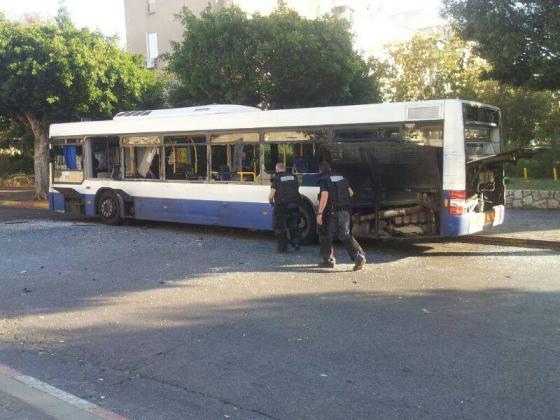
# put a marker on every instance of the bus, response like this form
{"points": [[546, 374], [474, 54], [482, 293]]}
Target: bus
{"points": [[418, 169]]}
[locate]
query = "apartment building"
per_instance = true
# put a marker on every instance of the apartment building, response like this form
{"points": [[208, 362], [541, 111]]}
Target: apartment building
{"points": [[151, 25]]}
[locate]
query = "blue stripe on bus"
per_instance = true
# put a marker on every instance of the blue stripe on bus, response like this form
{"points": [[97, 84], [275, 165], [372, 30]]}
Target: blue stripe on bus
{"points": [[56, 202], [89, 206], [452, 225], [205, 212], [464, 224]]}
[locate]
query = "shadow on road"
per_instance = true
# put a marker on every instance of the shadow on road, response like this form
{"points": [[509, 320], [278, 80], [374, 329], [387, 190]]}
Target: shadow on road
{"points": [[436, 354]]}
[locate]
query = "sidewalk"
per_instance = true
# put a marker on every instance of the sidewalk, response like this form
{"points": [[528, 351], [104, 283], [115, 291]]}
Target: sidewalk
{"points": [[531, 224], [20, 197], [26, 397]]}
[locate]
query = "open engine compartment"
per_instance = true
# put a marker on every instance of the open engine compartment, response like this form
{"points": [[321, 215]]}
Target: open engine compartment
{"points": [[397, 186]]}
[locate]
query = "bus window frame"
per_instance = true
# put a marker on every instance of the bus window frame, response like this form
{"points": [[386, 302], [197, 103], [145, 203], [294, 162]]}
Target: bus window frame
{"points": [[259, 132], [205, 135], [89, 155], [328, 130], [61, 141], [123, 165]]}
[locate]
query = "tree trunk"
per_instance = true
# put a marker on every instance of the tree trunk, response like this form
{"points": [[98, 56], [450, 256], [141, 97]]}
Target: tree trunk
{"points": [[40, 129]]}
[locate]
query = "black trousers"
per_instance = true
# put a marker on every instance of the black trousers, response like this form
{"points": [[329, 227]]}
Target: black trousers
{"points": [[286, 220], [336, 224]]}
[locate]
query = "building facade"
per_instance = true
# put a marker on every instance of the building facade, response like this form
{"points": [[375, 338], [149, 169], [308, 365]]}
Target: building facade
{"points": [[151, 24]]}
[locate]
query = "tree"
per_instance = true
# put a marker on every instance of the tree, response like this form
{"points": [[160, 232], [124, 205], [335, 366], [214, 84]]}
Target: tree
{"points": [[56, 72], [520, 39], [214, 63], [429, 68], [277, 61], [306, 63]]}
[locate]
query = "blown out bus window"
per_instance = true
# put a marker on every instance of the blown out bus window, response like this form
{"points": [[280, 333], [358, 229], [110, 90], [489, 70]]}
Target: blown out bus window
{"points": [[185, 158], [141, 157], [235, 157], [67, 158], [482, 131], [299, 150]]}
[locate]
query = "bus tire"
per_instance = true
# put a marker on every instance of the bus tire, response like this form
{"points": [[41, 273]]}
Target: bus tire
{"points": [[109, 209], [307, 224]]}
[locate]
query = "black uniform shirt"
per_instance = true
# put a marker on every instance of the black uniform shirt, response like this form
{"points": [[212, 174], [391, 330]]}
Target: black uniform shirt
{"points": [[276, 181], [323, 184]]}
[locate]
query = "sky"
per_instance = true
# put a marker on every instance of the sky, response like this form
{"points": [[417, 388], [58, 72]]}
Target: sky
{"points": [[106, 16], [374, 22]]}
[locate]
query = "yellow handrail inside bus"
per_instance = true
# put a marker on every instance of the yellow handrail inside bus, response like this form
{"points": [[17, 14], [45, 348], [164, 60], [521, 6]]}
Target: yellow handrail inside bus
{"points": [[195, 155]]}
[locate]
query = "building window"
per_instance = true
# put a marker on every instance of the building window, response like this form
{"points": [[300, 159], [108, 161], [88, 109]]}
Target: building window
{"points": [[152, 49], [151, 6]]}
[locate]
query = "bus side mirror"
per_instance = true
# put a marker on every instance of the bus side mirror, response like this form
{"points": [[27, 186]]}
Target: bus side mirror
{"points": [[51, 155]]}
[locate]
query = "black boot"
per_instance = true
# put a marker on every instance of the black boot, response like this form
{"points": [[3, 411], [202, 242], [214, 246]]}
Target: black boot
{"points": [[360, 262], [327, 263]]}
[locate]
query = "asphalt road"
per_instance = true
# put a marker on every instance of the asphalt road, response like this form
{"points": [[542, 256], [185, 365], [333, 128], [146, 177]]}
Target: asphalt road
{"points": [[168, 321]]}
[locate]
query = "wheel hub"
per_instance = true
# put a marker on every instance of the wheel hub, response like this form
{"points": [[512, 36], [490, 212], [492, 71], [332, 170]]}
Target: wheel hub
{"points": [[107, 208]]}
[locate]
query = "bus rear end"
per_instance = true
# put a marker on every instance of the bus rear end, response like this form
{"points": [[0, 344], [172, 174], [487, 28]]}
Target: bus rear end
{"points": [[477, 203], [476, 200]]}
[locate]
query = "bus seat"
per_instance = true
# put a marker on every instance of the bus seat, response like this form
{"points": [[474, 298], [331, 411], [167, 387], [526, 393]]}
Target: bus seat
{"points": [[224, 174], [189, 172]]}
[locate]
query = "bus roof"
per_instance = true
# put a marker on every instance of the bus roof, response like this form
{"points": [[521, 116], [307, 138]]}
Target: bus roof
{"points": [[235, 117]]}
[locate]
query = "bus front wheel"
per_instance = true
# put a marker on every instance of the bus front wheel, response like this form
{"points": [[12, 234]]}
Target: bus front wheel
{"points": [[109, 208], [307, 224]]}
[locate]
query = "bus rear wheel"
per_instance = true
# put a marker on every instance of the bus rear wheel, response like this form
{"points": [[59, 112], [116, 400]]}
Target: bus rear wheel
{"points": [[109, 208], [307, 224]]}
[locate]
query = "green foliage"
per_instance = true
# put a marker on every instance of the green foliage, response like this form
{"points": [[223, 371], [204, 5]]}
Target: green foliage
{"points": [[277, 61], [521, 39], [215, 61], [15, 136], [15, 165], [515, 183], [430, 68], [62, 73], [56, 72]]}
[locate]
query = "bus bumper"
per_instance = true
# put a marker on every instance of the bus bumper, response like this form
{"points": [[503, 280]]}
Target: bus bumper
{"points": [[470, 223]]}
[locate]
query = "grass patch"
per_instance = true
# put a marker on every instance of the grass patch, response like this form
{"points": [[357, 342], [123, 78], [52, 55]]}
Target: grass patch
{"points": [[532, 184]]}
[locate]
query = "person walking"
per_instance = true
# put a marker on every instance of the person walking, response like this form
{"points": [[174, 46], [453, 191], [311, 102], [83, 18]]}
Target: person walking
{"points": [[284, 197], [333, 218]]}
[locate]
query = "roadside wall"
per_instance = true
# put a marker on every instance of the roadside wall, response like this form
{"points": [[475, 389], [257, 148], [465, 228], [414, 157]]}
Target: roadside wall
{"points": [[533, 199]]}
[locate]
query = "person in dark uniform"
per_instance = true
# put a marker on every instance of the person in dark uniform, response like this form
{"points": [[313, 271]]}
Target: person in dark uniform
{"points": [[333, 218], [284, 196]]}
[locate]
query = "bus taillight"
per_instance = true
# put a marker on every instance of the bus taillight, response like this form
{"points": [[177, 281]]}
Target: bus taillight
{"points": [[457, 203], [457, 195]]}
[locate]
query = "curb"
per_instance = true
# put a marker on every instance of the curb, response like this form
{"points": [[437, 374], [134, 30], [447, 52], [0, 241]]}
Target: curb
{"points": [[518, 242], [42, 205], [51, 400]]}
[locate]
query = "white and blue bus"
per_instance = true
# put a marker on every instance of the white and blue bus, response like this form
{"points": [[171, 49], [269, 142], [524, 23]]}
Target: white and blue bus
{"points": [[430, 168]]}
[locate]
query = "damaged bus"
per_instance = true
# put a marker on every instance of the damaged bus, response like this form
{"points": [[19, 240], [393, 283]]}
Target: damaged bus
{"points": [[418, 169]]}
